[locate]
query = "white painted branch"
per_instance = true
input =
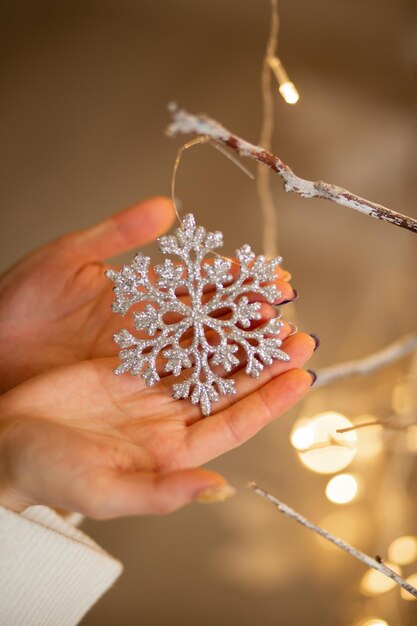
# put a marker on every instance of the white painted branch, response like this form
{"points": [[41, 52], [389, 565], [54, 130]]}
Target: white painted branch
{"points": [[369, 364], [340, 543], [184, 123]]}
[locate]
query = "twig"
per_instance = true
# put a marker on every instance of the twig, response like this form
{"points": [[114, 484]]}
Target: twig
{"points": [[340, 543], [369, 364], [184, 122]]}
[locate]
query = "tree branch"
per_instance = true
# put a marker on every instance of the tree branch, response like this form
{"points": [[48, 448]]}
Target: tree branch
{"points": [[369, 364], [340, 543], [184, 122]]}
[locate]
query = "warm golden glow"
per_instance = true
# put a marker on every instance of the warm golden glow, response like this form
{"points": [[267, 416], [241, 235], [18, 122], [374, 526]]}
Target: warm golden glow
{"points": [[373, 582], [413, 581], [411, 438], [328, 451], [289, 92], [370, 442], [342, 488], [403, 550], [374, 621]]}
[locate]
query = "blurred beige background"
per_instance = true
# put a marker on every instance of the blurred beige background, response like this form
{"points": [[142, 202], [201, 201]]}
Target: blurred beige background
{"points": [[85, 86]]}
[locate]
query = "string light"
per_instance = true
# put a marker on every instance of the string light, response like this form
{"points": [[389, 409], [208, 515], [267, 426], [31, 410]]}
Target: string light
{"points": [[342, 489], [413, 581], [320, 448], [286, 88], [403, 550], [374, 583]]}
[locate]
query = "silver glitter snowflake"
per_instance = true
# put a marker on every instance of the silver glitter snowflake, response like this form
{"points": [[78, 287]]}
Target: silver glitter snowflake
{"points": [[207, 332]]}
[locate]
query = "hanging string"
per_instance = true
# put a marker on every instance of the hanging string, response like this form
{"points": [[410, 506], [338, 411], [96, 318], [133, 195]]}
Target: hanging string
{"points": [[200, 140], [185, 146]]}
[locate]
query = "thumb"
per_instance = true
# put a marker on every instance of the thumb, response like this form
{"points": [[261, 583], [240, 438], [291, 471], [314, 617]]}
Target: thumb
{"points": [[140, 493], [134, 227]]}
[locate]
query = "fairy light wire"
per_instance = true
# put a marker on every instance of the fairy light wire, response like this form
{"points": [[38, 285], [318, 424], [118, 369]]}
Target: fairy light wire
{"points": [[203, 139]]}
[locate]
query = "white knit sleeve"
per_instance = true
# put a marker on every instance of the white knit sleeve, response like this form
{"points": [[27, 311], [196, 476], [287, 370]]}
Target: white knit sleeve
{"points": [[51, 573]]}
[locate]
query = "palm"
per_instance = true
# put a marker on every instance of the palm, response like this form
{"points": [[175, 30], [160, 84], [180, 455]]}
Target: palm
{"points": [[55, 305], [107, 434]]}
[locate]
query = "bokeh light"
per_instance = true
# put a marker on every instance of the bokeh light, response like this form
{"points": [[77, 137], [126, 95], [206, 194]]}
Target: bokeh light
{"points": [[320, 448], [302, 437], [342, 489], [374, 621], [403, 550], [374, 583], [413, 581]]}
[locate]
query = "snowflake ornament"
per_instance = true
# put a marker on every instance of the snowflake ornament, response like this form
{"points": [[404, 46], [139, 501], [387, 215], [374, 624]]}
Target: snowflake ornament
{"points": [[206, 334]]}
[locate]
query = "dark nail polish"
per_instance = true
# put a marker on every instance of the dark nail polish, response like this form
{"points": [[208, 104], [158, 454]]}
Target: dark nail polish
{"points": [[316, 340], [313, 376], [293, 299]]}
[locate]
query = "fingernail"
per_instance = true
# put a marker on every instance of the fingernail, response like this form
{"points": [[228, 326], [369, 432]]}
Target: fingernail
{"points": [[286, 276], [219, 493], [295, 297], [316, 340], [313, 376]]}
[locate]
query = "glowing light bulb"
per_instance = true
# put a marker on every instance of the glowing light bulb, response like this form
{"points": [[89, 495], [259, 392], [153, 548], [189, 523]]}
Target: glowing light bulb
{"points": [[403, 550], [373, 582], [342, 488], [329, 451], [289, 92], [413, 581], [287, 89], [302, 438]]}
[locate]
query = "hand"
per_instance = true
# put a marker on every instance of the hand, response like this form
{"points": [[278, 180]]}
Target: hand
{"points": [[80, 438], [55, 305]]}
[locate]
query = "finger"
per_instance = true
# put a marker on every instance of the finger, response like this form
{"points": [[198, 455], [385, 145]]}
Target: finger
{"points": [[131, 228], [215, 435], [120, 494]]}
